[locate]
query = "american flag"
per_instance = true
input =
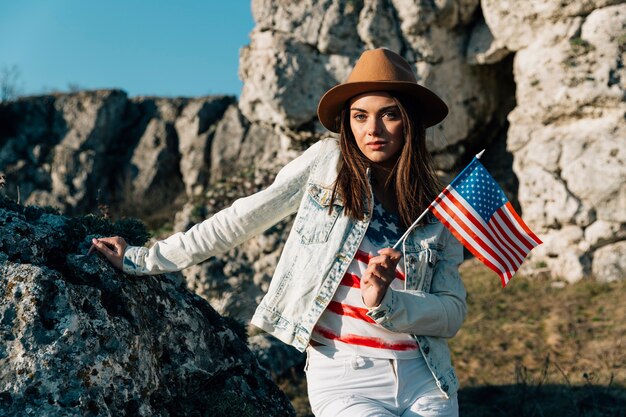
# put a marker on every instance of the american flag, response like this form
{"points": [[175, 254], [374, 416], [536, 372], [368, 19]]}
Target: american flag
{"points": [[474, 208]]}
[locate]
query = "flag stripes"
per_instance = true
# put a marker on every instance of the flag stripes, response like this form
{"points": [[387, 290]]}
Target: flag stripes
{"points": [[478, 214], [487, 257], [480, 232]]}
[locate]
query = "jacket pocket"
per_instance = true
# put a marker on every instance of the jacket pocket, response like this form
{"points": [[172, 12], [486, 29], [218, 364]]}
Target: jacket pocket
{"points": [[430, 257], [315, 218], [421, 265]]}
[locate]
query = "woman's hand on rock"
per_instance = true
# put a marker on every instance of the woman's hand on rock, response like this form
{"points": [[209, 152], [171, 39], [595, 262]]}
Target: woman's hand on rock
{"points": [[380, 272], [111, 247]]}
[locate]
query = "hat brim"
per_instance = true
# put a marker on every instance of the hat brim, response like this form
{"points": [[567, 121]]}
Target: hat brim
{"points": [[432, 109]]}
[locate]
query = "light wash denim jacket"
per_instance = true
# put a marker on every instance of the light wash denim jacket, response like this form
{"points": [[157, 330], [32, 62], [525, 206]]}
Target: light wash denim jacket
{"points": [[316, 255]]}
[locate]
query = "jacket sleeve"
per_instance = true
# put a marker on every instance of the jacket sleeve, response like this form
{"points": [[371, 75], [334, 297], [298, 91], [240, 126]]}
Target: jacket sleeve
{"points": [[438, 313], [245, 218]]}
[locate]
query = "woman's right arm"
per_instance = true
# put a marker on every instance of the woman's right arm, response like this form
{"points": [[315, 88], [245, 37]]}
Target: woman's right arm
{"points": [[245, 218]]}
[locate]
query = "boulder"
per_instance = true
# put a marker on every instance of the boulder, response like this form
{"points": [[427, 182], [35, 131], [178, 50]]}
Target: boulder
{"points": [[566, 133], [81, 338], [142, 156]]}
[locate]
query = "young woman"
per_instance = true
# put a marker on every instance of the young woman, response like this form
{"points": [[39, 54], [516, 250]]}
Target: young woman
{"points": [[373, 320]]}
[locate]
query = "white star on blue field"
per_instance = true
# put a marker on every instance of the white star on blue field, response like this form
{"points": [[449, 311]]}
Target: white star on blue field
{"points": [[479, 189], [383, 230]]}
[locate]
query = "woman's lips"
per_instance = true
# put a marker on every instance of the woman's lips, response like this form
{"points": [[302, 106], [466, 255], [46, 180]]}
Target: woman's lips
{"points": [[376, 145]]}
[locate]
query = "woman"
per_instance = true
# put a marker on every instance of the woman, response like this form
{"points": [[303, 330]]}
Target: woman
{"points": [[374, 327]]}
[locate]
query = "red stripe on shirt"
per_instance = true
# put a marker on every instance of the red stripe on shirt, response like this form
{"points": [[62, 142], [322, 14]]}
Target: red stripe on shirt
{"points": [[350, 311], [351, 280], [372, 342]]}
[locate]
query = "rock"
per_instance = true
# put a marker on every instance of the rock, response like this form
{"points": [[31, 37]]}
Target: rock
{"points": [[483, 48], [230, 134], [153, 181], [285, 70], [603, 232], [563, 250], [81, 338], [239, 146], [195, 128], [609, 262], [92, 148], [275, 356], [565, 133], [378, 26], [76, 147], [283, 79], [519, 25]]}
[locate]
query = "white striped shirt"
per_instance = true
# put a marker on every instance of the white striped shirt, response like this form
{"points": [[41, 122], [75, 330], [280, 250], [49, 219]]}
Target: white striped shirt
{"points": [[345, 324]]}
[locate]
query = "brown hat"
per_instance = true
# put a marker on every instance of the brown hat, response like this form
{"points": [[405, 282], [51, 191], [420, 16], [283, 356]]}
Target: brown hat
{"points": [[380, 70]]}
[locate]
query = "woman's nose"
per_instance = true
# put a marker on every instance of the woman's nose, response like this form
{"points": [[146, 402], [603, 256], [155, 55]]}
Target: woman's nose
{"points": [[373, 127]]}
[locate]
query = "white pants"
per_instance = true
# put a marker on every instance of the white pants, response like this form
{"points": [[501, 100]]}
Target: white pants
{"points": [[342, 384]]}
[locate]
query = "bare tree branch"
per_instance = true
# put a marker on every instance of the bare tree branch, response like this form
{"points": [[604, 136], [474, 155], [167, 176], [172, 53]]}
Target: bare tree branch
{"points": [[10, 80]]}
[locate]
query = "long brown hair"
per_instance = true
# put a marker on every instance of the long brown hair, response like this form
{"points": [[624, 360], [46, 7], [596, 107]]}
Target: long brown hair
{"points": [[413, 178]]}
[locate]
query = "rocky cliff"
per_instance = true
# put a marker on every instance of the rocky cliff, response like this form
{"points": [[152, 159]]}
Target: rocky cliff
{"points": [[80, 338], [547, 78], [539, 84]]}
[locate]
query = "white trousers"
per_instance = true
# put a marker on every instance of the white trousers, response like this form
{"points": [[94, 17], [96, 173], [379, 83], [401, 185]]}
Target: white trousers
{"points": [[342, 384]]}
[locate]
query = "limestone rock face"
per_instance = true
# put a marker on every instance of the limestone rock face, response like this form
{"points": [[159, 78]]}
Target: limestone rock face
{"points": [[55, 148], [547, 78], [239, 145], [567, 133], [299, 50], [76, 151], [80, 338]]}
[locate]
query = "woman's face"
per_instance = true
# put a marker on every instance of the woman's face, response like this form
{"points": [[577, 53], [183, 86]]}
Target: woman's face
{"points": [[376, 124]]}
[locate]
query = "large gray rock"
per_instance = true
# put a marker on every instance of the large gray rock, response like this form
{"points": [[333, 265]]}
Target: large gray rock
{"points": [[196, 127], [81, 339], [56, 147], [239, 145], [567, 131], [274, 355], [151, 179], [143, 156]]}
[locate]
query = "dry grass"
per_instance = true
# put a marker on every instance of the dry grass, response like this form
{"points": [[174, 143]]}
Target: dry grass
{"points": [[578, 329], [533, 349]]}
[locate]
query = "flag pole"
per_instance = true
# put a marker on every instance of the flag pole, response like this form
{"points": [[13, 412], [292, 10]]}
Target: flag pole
{"points": [[411, 228], [478, 155]]}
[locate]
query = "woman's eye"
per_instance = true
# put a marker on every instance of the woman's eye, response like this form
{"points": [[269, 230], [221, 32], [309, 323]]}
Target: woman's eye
{"points": [[390, 115], [359, 117]]}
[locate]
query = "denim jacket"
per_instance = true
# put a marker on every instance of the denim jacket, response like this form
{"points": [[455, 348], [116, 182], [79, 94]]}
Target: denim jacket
{"points": [[317, 253]]}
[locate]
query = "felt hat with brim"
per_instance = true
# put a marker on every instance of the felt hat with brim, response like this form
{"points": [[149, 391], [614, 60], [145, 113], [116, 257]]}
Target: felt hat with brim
{"points": [[380, 70]]}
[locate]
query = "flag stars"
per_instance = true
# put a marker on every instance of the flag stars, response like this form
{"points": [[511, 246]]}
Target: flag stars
{"points": [[477, 186]]}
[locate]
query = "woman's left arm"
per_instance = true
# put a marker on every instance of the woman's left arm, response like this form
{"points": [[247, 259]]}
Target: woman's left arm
{"points": [[439, 312]]}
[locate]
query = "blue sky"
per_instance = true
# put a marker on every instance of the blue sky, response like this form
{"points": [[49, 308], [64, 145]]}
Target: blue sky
{"points": [[184, 48]]}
